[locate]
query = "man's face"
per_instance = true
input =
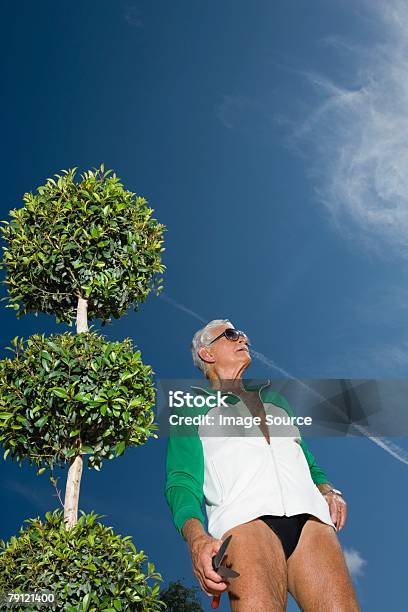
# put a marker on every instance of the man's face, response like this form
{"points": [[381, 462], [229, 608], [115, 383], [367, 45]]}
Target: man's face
{"points": [[227, 353]]}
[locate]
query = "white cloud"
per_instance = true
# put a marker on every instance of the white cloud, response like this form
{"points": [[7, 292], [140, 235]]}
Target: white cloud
{"points": [[236, 111], [384, 304], [354, 561], [28, 493], [133, 15], [359, 135], [367, 361]]}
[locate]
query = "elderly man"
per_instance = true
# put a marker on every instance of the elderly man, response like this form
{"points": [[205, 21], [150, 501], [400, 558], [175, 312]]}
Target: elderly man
{"points": [[266, 490]]}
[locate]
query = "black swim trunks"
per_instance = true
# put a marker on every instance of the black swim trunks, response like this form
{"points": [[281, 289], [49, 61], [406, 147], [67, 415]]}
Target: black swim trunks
{"points": [[287, 528]]}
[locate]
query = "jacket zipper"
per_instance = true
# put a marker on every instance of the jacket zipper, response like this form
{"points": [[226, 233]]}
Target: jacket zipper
{"points": [[278, 479], [270, 445], [273, 456]]}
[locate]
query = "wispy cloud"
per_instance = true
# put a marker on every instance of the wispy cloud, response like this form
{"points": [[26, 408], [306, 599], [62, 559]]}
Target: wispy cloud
{"points": [[381, 304], [29, 494], [133, 15], [236, 111], [354, 561], [366, 361], [359, 131]]}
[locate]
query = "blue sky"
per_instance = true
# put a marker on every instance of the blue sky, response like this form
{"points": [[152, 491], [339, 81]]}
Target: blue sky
{"points": [[270, 139]]}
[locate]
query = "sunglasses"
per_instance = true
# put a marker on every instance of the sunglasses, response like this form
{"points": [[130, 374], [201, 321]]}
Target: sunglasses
{"points": [[231, 334]]}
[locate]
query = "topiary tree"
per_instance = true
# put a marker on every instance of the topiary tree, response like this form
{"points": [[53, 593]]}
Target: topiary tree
{"points": [[88, 248], [84, 249], [179, 598], [68, 395], [88, 568]]}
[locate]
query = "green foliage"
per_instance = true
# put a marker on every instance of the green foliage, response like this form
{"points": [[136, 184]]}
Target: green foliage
{"points": [[70, 393], [89, 567], [179, 598], [91, 238]]}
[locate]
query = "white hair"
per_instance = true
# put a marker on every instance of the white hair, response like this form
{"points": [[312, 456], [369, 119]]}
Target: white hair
{"points": [[202, 338]]}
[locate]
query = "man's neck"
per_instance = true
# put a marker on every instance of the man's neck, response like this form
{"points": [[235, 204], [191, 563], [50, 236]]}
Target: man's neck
{"points": [[227, 382]]}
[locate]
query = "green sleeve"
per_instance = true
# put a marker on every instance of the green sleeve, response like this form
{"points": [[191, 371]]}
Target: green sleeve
{"points": [[316, 472], [318, 475], [184, 475]]}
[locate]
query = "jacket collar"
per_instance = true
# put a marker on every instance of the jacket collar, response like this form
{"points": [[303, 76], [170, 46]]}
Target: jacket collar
{"points": [[248, 385]]}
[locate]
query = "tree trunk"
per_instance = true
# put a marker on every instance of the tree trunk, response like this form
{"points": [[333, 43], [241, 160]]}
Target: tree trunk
{"points": [[82, 315], [72, 492], [73, 485]]}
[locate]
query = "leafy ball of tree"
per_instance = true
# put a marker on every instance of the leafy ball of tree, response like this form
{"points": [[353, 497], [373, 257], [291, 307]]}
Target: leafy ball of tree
{"points": [[89, 238], [67, 394], [89, 568]]}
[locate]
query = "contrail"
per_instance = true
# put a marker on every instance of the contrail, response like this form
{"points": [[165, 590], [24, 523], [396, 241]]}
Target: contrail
{"points": [[170, 300], [393, 449], [388, 446]]}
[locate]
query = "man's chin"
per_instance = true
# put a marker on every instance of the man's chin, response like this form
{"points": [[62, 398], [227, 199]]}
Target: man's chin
{"points": [[245, 358]]}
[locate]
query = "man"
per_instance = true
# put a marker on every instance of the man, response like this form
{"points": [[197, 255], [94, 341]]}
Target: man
{"points": [[267, 491]]}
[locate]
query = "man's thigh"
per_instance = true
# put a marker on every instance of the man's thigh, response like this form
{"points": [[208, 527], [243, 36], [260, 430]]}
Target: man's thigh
{"points": [[318, 577], [257, 554]]}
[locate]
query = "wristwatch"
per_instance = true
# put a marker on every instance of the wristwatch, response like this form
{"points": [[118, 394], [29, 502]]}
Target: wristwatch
{"points": [[332, 490]]}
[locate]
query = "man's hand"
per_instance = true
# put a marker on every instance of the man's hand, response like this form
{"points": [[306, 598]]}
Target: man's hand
{"points": [[337, 506], [202, 548]]}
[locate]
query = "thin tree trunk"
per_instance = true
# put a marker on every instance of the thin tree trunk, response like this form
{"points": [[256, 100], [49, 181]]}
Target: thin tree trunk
{"points": [[73, 485], [82, 315], [72, 492]]}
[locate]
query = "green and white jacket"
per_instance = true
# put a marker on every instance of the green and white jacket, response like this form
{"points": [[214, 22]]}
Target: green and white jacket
{"points": [[241, 476]]}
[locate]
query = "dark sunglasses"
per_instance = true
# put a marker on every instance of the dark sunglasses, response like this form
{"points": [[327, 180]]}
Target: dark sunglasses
{"points": [[231, 334]]}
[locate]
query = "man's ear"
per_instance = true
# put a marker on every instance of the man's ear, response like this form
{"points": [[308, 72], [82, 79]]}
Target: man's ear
{"points": [[205, 354]]}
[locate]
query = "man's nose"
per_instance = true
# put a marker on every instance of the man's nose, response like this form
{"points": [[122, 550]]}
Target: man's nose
{"points": [[245, 340]]}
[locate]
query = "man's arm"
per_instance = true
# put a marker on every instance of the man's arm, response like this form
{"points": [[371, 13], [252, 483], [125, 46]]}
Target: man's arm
{"points": [[317, 473], [184, 495], [192, 529], [184, 475]]}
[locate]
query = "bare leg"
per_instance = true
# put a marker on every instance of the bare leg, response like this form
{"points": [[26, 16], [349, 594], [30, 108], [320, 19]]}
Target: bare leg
{"points": [[256, 553], [318, 577]]}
